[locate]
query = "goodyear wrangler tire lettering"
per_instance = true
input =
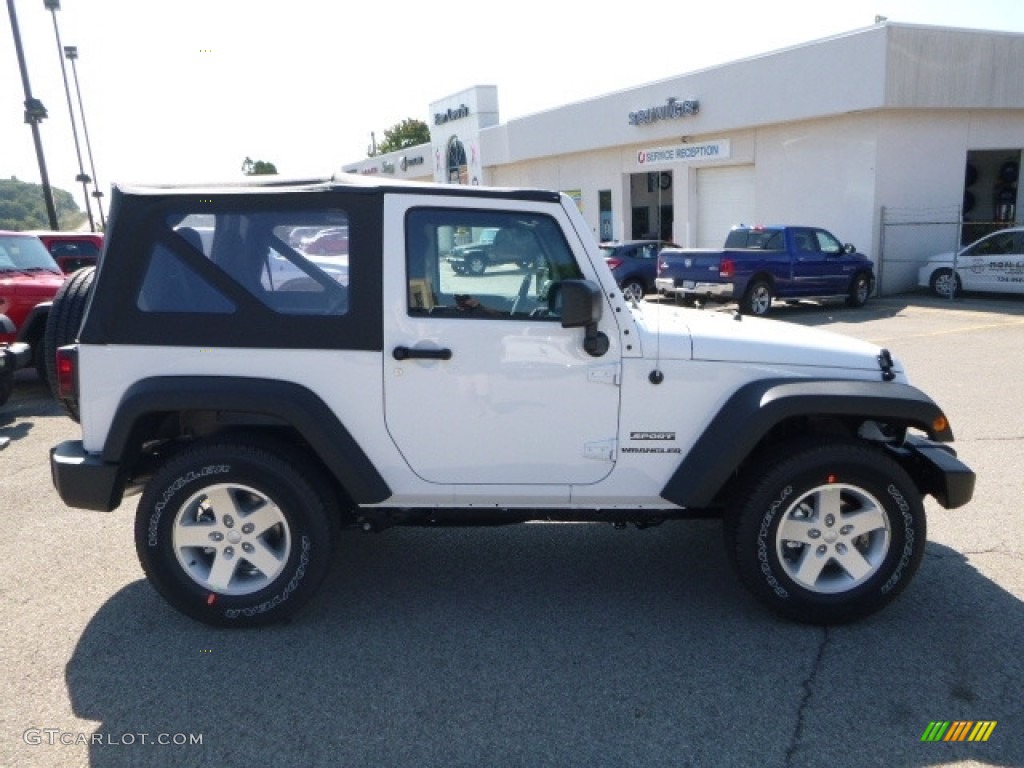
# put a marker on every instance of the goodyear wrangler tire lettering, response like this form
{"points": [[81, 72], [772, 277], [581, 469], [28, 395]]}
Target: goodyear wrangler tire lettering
{"points": [[229, 532], [828, 534]]}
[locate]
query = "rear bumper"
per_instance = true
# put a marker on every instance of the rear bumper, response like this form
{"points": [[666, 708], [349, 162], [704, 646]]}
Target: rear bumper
{"points": [[693, 288], [83, 479], [936, 468]]}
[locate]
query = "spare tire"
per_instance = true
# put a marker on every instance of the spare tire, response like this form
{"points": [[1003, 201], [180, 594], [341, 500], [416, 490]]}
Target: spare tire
{"points": [[62, 326]]}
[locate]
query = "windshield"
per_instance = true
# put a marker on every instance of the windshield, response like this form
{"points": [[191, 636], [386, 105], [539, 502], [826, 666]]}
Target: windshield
{"points": [[25, 253]]}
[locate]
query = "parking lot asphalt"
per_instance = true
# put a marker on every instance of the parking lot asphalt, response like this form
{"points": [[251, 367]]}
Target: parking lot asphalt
{"points": [[535, 645]]}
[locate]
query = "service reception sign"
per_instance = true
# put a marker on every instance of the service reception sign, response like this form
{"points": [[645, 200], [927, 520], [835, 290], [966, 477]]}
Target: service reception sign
{"points": [[685, 153]]}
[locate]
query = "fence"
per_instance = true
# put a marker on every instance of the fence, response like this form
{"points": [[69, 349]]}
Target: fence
{"points": [[910, 235]]}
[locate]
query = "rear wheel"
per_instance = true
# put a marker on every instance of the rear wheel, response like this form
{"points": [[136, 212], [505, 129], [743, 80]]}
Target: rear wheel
{"points": [[232, 534], [685, 299], [829, 534], [758, 298], [62, 325]]}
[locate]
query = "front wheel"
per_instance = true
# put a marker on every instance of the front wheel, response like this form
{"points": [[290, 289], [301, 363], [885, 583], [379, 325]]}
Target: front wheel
{"points": [[829, 534], [6, 384], [633, 290], [945, 284], [476, 264], [758, 299], [232, 534], [860, 290]]}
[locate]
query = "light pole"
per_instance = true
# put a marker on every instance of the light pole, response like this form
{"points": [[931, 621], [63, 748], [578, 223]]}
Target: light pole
{"points": [[53, 6], [35, 113], [71, 52]]}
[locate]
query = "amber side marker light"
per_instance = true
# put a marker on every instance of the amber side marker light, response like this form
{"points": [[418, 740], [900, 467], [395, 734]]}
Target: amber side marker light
{"points": [[940, 424]]}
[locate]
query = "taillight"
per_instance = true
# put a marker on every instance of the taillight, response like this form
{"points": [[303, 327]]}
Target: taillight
{"points": [[726, 268], [67, 364], [613, 263]]}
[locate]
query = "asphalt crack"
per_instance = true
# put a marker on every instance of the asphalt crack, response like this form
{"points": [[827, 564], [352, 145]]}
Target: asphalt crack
{"points": [[808, 685]]}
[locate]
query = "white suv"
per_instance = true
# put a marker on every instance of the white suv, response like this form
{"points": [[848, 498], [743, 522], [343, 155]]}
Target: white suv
{"points": [[258, 416]]}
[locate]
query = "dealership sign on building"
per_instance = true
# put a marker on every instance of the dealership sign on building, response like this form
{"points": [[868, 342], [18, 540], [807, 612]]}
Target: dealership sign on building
{"points": [[685, 153]]}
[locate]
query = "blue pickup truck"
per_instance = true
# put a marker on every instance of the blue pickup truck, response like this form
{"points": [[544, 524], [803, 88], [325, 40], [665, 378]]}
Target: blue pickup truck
{"points": [[762, 263]]}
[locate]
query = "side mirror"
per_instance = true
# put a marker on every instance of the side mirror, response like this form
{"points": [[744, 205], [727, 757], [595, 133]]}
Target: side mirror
{"points": [[578, 303], [849, 248]]}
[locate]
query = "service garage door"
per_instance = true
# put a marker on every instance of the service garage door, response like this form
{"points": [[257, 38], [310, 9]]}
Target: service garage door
{"points": [[725, 198]]}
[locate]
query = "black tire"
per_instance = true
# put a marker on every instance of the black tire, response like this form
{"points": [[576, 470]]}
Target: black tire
{"points": [[860, 290], [821, 568], [942, 281], [685, 299], [476, 264], [758, 298], [62, 325], [633, 289], [6, 385], [290, 546]]}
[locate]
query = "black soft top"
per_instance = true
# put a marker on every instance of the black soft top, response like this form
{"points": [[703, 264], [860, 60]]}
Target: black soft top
{"points": [[349, 182]]}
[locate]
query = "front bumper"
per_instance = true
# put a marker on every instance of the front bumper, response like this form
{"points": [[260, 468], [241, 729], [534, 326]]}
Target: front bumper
{"points": [[14, 357], [83, 479], [937, 470]]}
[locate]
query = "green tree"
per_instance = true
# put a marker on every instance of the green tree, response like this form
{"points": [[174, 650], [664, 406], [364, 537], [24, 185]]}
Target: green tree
{"points": [[252, 167], [22, 207], [408, 133]]}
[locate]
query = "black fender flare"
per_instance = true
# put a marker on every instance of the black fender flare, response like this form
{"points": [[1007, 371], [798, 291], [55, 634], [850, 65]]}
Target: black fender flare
{"points": [[280, 403], [755, 408], [35, 323]]}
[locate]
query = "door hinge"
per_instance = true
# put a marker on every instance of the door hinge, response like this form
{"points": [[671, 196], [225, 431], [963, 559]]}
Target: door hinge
{"points": [[605, 374], [602, 450]]}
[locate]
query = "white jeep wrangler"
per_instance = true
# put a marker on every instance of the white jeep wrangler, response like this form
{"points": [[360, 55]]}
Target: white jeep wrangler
{"points": [[257, 415]]}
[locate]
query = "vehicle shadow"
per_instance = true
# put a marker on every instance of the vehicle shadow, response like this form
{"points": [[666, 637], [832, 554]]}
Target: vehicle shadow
{"points": [[556, 645], [31, 399], [814, 314]]}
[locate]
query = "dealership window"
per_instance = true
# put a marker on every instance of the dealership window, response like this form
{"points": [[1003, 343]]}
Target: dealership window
{"points": [[458, 166]]}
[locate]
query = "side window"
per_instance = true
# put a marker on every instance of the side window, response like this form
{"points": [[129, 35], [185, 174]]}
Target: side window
{"points": [[804, 242], [481, 264], [827, 243], [171, 285], [773, 242], [293, 262]]}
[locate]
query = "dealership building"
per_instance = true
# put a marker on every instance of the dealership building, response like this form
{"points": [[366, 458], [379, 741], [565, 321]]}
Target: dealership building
{"points": [[902, 139]]}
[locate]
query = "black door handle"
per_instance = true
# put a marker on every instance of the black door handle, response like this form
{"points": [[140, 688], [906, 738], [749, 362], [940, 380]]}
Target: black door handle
{"points": [[405, 353]]}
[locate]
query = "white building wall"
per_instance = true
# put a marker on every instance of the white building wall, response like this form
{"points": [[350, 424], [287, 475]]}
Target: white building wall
{"points": [[820, 173]]}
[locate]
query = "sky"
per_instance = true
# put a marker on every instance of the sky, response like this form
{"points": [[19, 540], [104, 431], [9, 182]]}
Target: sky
{"points": [[185, 90]]}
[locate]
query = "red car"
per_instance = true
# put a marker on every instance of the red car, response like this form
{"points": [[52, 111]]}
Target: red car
{"points": [[329, 242], [29, 279], [71, 250]]}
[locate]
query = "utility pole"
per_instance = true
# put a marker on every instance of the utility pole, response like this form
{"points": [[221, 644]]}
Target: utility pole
{"points": [[53, 6], [35, 113]]}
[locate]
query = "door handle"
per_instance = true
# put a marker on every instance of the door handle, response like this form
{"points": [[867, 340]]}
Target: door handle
{"points": [[405, 353]]}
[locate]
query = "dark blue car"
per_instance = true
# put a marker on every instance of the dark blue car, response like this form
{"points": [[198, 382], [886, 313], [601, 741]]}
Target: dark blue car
{"points": [[633, 264]]}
